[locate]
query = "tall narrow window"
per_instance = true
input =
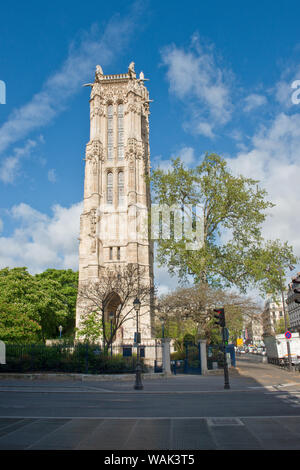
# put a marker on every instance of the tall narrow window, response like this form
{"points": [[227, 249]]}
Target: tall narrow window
{"points": [[121, 188], [120, 132], [109, 188], [119, 253], [110, 133], [110, 253]]}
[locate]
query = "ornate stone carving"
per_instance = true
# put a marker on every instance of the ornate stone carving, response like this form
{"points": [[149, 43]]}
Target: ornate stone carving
{"points": [[131, 71], [99, 73], [133, 148], [133, 107], [96, 90], [93, 222], [94, 150]]}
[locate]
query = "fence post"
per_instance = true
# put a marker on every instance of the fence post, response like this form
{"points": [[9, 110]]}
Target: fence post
{"points": [[186, 358], [86, 358], [166, 356], [199, 358], [203, 356]]}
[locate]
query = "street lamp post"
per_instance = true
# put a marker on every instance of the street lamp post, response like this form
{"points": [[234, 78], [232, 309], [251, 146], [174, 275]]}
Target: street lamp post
{"points": [[162, 327], [138, 375], [111, 316]]}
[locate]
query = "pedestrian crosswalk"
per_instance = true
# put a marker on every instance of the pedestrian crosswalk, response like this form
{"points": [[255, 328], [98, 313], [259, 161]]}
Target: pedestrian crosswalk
{"points": [[289, 398]]}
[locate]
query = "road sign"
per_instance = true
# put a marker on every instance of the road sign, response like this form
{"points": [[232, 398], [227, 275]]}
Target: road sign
{"points": [[288, 334]]}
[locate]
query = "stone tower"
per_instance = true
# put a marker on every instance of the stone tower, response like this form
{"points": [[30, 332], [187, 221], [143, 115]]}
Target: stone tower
{"points": [[114, 221]]}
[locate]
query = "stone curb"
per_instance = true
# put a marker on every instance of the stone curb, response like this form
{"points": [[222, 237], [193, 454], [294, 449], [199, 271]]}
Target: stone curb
{"points": [[231, 371], [80, 377], [107, 377]]}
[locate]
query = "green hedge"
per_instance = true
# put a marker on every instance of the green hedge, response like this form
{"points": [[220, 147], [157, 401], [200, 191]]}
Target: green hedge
{"points": [[80, 358]]}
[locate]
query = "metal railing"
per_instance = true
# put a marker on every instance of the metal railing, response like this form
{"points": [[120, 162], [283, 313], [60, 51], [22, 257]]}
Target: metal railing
{"points": [[284, 363], [72, 358]]}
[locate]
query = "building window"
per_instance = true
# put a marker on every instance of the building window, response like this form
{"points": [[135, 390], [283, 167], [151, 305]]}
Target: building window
{"points": [[121, 188], [127, 351], [109, 188], [110, 133], [119, 253], [110, 253], [142, 351], [120, 132]]}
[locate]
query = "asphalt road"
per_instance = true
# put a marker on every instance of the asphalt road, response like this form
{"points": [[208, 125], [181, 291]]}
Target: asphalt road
{"points": [[260, 411]]}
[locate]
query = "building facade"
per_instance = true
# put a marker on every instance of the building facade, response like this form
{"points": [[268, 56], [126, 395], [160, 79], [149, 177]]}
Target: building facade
{"points": [[254, 330], [114, 222], [273, 312], [293, 309]]}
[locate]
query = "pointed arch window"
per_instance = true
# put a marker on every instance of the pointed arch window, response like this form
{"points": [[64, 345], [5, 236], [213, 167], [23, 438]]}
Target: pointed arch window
{"points": [[110, 132], [121, 197], [109, 188], [120, 132]]}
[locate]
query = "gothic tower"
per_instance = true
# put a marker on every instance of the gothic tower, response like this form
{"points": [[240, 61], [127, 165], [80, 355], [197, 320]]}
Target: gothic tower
{"points": [[114, 221]]}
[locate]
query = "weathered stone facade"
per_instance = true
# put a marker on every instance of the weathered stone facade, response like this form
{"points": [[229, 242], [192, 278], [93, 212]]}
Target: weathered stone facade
{"points": [[114, 222]]}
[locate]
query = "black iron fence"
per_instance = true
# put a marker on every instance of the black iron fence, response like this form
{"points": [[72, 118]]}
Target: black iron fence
{"points": [[74, 358], [284, 362], [215, 356], [191, 364]]}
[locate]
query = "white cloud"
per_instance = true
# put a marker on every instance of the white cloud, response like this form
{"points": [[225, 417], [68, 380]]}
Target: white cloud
{"points": [[10, 166], [274, 160], [186, 154], [1, 225], [197, 80], [40, 241], [254, 101], [52, 176], [94, 48]]}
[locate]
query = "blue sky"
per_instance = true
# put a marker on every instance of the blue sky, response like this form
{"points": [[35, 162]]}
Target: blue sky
{"points": [[220, 77]]}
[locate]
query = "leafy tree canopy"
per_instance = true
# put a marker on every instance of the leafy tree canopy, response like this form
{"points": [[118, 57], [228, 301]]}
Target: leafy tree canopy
{"points": [[234, 208], [32, 307]]}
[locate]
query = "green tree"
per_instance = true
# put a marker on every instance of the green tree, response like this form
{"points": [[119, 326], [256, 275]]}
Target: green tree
{"points": [[67, 279], [35, 301], [280, 326], [234, 208], [191, 310], [18, 324]]}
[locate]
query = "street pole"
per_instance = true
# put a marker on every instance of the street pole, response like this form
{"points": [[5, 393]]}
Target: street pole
{"points": [[111, 317], [286, 328], [111, 338], [226, 375], [222, 322], [138, 375]]}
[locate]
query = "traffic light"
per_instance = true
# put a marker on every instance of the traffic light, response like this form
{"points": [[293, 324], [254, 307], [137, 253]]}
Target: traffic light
{"points": [[296, 288], [220, 317]]}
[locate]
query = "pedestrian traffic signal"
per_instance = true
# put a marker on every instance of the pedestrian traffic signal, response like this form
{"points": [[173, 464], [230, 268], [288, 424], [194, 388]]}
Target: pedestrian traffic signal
{"points": [[296, 288], [220, 317]]}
